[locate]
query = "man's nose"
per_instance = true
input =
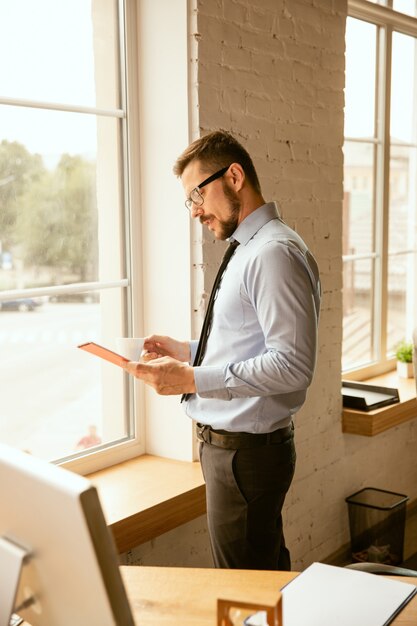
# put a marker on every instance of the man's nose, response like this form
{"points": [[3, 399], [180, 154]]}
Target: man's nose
{"points": [[197, 210]]}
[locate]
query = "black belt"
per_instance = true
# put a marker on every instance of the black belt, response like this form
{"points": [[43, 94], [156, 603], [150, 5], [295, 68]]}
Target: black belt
{"points": [[234, 441]]}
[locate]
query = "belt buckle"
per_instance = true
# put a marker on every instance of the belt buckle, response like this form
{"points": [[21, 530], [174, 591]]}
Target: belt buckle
{"points": [[201, 430]]}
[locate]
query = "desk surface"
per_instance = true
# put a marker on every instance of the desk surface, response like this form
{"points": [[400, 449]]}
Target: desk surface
{"points": [[169, 596], [166, 596]]}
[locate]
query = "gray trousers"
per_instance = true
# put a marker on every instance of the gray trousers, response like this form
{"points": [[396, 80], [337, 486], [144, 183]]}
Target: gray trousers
{"points": [[245, 491]]}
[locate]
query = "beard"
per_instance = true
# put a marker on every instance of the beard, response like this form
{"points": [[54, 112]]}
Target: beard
{"points": [[229, 225]]}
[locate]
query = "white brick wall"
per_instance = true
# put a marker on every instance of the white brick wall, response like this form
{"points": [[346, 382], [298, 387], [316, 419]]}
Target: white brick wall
{"points": [[187, 546]]}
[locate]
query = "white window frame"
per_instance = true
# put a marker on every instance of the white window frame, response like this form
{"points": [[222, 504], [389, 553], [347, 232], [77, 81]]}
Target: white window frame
{"points": [[389, 21], [133, 443]]}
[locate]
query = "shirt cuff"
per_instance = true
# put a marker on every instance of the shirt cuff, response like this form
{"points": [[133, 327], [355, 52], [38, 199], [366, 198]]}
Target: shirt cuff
{"points": [[209, 382], [193, 349]]}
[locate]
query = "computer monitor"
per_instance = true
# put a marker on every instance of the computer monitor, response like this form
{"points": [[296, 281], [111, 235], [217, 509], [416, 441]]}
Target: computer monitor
{"points": [[58, 561]]}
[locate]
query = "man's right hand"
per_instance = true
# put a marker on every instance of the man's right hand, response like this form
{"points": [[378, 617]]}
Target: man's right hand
{"points": [[157, 346]]}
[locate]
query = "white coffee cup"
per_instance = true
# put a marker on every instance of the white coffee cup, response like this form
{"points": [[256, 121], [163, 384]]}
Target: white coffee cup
{"points": [[130, 347]]}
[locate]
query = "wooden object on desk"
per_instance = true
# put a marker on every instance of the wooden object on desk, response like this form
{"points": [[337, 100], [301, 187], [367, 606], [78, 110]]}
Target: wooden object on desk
{"points": [[226, 614], [372, 423], [148, 496]]}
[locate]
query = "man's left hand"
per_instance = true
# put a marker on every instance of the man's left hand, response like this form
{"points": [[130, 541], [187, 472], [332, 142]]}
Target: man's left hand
{"points": [[166, 375]]}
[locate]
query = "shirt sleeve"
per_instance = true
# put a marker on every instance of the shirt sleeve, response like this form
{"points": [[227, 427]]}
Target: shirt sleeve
{"points": [[279, 287], [193, 349]]}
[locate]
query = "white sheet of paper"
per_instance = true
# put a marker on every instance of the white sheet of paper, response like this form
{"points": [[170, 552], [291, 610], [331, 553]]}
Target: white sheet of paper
{"points": [[325, 595]]}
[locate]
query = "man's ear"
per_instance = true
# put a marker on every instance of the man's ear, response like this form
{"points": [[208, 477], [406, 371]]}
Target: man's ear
{"points": [[237, 176]]}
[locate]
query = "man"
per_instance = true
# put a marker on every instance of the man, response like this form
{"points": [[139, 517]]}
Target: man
{"points": [[255, 359]]}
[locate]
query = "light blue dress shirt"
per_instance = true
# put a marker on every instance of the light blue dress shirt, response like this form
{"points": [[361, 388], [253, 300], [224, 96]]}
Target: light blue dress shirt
{"points": [[261, 351]]}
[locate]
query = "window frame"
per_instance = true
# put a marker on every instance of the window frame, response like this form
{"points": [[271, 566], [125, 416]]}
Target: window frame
{"points": [[387, 22], [133, 443], [128, 50]]}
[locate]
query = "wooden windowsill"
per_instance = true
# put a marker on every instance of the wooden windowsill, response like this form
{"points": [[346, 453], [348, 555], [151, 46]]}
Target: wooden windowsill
{"points": [[374, 422], [147, 496]]}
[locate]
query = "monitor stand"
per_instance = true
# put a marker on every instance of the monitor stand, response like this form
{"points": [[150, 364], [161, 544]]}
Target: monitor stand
{"points": [[12, 558]]}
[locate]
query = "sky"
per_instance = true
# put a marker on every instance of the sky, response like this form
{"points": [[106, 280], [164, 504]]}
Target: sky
{"points": [[360, 82], [47, 56]]}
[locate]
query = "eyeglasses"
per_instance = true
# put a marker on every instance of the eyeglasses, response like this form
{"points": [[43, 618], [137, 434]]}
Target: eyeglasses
{"points": [[195, 195]]}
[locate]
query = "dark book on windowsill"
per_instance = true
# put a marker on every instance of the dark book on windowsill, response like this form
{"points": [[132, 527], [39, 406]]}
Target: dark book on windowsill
{"points": [[364, 397]]}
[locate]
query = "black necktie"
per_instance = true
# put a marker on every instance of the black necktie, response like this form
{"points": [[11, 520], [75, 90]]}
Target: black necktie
{"points": [[208, 318]]}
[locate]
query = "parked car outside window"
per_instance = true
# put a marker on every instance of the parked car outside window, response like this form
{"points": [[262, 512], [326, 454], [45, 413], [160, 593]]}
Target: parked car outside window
{"points": [[22, 304]]}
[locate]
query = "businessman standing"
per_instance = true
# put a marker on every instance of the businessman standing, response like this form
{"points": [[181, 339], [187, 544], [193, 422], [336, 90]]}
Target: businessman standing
{"points": [[248, 374]]}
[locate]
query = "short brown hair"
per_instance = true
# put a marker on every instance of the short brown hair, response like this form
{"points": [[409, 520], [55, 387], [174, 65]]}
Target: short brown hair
{"points": [[216, 150]]}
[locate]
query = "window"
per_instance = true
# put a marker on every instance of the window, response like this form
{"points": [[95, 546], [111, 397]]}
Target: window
{"points": [[380, 215], [65, 275], [408, 7]]}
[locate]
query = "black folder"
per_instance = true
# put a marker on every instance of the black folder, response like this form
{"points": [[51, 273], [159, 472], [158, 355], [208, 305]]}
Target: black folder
{"points": [[364, 397]]}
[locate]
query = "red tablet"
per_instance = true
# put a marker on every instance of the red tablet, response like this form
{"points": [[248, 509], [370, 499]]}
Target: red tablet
{"points": [[104, 353]]}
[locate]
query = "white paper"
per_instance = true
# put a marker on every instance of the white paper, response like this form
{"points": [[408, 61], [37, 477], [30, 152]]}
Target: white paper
{"points": [[324, 595]]}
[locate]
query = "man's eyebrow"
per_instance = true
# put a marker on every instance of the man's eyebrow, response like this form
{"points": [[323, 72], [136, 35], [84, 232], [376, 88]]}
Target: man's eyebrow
{"points": [[192, 189]]}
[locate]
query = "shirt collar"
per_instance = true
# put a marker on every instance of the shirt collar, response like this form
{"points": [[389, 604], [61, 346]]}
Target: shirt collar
{"points": [[254, 222]]}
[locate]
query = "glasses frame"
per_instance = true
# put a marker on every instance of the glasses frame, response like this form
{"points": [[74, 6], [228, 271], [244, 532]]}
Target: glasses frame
{"points": [[198, 199]]}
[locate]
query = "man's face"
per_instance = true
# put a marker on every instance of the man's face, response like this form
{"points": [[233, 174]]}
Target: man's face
{"points": [[221, 208]]}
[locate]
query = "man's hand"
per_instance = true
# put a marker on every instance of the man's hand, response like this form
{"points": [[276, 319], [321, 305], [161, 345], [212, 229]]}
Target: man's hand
{"points": [[157, 346], [166, 375]]}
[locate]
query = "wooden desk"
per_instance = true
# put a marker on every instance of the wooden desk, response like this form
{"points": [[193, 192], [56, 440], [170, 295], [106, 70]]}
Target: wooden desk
{"points": [[180, 596], [164, 596]]}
